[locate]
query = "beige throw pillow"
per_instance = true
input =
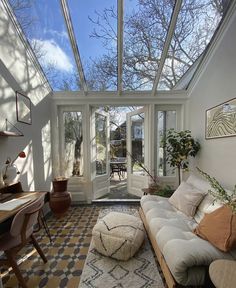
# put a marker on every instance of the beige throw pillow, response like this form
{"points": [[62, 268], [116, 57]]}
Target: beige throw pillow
{"points": [[186, 198]]}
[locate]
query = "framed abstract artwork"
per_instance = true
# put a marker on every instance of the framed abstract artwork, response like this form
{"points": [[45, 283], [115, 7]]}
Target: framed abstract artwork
{"points": [[221, 120], [23, 108]]}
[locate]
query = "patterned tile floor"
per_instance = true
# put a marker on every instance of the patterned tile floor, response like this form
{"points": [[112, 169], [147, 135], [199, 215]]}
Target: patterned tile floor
{"points": [[66, 255]]}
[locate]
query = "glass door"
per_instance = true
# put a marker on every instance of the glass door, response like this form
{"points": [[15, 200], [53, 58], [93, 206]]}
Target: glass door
{"points": [[137, 156], [100, 153]]}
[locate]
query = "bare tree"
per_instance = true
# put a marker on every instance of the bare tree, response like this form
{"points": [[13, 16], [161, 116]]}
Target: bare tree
{"points": [[145, 30]]}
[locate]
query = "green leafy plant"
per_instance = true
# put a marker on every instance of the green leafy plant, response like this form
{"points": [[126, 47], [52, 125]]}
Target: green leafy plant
{"points": [[219, 193], [179, 146], [164, 190]]}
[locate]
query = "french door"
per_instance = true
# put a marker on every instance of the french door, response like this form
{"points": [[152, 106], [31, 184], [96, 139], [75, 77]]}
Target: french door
{"points": [[100, 154], [137, 151]]}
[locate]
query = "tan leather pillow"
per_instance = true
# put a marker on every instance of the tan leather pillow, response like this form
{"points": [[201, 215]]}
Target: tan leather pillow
{"points": [[219, 228]]}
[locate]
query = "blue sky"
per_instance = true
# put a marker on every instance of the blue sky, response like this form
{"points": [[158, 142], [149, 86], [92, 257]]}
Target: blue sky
{"points": [[50, 31]]}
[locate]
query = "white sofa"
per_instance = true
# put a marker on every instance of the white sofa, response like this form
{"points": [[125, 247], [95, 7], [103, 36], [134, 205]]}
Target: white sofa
{"points": [[183, 256]]}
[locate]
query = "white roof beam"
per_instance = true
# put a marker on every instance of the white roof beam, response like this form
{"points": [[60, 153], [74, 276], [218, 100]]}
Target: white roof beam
{"points": [[74, 45], [165, 50], [120, 30]]}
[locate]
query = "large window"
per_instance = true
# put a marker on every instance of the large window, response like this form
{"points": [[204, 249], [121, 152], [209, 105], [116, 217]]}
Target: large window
{"points": [[165, 120]]}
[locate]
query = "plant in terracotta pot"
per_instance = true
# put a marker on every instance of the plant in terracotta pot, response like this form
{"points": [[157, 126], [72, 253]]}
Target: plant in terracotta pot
{"points": [[60, 198]]}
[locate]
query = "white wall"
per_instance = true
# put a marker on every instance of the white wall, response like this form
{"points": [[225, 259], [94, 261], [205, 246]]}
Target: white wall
{"points": [[216, 84], [19, 72]]}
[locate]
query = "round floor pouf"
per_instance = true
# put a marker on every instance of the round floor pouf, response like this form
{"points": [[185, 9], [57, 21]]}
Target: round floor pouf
{"points": [[118, 235]]}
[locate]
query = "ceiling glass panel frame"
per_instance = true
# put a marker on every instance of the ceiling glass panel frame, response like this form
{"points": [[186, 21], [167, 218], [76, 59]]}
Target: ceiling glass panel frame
{"points": [[196, 24], [128, 63]]}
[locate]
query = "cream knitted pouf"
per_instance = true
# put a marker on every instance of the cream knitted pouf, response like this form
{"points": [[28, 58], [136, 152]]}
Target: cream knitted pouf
{"points": [[118, 235]]}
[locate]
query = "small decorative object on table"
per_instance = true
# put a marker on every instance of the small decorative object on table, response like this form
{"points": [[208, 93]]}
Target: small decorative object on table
{"points": [[10, 172], [60, 198]]}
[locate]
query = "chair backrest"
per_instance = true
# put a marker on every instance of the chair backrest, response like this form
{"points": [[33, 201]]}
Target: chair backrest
{"points": [[26, 218]]}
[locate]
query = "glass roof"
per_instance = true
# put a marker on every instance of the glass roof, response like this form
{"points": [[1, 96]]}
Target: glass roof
{"points": [[196, 24], [81, 45], [44, 26], [97, 42], [144, 41]]}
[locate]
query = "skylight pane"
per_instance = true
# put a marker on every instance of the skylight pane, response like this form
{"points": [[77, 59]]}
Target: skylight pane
{"points": [[44, 26], [95, 28], [145, 28], [196, 24]]}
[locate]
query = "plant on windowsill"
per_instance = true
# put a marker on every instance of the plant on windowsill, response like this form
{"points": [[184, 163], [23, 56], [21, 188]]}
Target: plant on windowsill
{"points": [[219, 193], [179, 146]]}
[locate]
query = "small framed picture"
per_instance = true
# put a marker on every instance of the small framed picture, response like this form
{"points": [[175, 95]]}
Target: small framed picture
{"points": [[23, 108], [221, 120]]}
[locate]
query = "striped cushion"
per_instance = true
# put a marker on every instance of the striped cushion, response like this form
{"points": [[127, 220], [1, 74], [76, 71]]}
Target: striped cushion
{"points": [[118, 235]]}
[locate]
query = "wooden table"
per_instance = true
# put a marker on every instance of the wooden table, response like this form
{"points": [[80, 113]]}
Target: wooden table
{"points": [[222, 273], [4, 215]]}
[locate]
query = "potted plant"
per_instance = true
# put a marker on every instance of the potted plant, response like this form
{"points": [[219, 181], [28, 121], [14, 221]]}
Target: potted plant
{"points": [[179, 146]]}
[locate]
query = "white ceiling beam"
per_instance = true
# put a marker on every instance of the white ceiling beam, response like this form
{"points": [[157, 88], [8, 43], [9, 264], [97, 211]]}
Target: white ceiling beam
{"points": [[120, 30], [165, 50], [74, 45]]}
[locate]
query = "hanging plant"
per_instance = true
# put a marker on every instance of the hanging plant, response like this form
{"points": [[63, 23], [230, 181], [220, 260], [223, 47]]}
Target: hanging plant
{"points": [[219, 193]]}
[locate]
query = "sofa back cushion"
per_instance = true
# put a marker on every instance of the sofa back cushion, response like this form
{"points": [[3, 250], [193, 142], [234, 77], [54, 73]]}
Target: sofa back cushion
{"points": [[199, 183], [186, 198], [219, 228], [208, 204]]}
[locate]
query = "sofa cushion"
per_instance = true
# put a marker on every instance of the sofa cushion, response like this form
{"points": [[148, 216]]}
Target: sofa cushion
{"points": [[148, 202], [118, 235], [186, 198], [187, 255], [219, 228]]}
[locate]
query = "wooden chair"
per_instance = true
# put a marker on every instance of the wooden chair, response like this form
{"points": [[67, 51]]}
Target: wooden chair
{"points": [[115, 168], [20, 234]]}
